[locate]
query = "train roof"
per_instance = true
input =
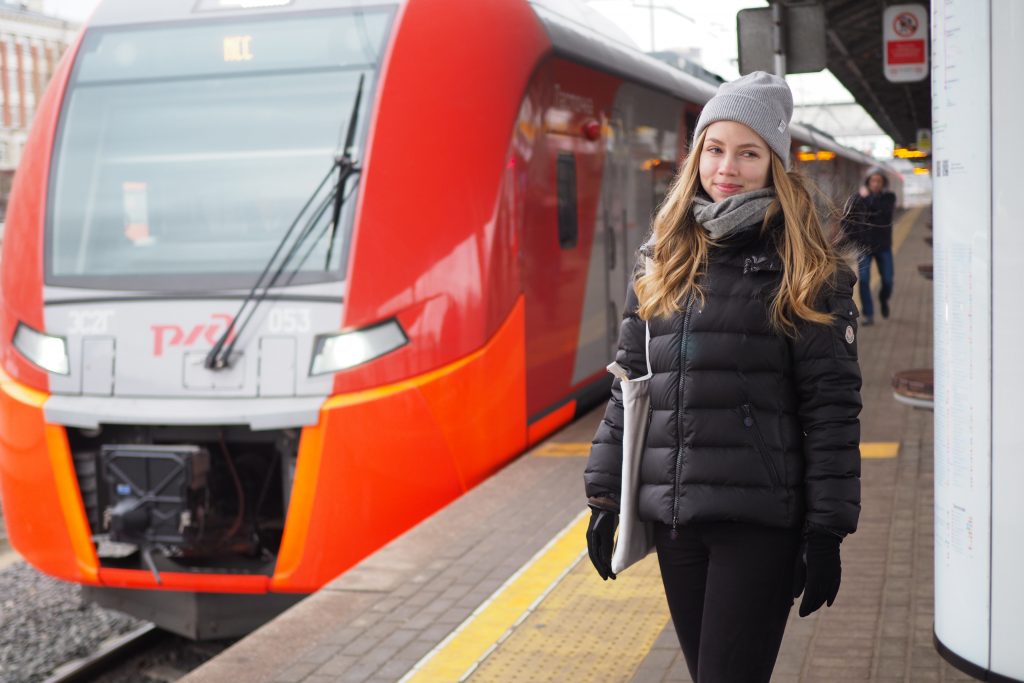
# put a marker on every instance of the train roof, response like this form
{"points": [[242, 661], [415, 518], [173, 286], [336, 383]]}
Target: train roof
{"points": [[577, 32], [125, 12]]}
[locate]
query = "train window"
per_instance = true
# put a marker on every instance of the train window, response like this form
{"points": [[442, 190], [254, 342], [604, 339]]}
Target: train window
{"points": [[568, 224], [662, 173], [186, 151]]}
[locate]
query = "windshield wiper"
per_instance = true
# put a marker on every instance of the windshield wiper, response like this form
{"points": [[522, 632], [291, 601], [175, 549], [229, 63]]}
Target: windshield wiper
{"points": [[346, 169], [219, 356]]}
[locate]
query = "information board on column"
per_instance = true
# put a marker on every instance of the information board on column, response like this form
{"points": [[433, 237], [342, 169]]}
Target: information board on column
{"points": [[961, 103]]}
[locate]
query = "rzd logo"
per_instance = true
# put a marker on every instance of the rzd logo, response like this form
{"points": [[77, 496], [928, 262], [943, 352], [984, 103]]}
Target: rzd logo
{"points": [[166, 336]]}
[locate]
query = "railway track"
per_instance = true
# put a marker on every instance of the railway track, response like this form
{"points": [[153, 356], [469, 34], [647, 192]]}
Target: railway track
{"points": [[110, 656]]}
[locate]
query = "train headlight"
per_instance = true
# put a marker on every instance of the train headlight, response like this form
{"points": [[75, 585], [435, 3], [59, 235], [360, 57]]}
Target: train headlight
{"points": [[334, 352], [48, 352]]}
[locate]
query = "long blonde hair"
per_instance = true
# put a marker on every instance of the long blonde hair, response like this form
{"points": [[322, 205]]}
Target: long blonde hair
{"points": [[681, 247]]}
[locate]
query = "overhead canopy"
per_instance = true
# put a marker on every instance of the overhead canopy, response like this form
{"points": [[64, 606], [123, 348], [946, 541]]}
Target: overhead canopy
{"points": [[854, 44]]}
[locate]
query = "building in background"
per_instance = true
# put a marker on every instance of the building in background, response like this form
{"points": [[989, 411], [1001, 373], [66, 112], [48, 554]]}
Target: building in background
{"points": [[31, 43]]}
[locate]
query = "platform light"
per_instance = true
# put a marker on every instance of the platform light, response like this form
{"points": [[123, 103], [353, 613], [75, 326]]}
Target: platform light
{"points": [[44, 350], [339, 351], [820, 155]]}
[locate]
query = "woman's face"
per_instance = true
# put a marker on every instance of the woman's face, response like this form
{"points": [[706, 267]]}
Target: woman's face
{"points": [[734, 160]]}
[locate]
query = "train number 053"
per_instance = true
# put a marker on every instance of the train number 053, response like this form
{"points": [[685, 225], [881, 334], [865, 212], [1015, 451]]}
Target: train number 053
{"points": [[289, 321], [90, 321]]}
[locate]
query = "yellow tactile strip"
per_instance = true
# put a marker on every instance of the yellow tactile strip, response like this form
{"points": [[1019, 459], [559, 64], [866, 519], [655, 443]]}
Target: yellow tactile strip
{"points": [[584, 630], [879, 449], [561, 450], [490, 623], [555, 620], [868, 449]]}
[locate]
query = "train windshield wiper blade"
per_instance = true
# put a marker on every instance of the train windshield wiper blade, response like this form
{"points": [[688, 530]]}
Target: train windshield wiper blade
{"points": [[219, 356], [215, 359], [347, 167]]}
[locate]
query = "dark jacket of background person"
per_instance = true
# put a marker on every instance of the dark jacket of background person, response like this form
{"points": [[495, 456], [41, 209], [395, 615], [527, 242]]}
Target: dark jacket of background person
{"points": [[868, 222], [746, 424]]}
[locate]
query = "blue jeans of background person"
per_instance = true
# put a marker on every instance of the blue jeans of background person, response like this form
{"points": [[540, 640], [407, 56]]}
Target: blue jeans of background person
{"points": [[884, 261]]}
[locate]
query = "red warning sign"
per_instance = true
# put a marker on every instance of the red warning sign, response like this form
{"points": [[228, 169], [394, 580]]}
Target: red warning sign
{"points": [[905, 52], [905, 35]]}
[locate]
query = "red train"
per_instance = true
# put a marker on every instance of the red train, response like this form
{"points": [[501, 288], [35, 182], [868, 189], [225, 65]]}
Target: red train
{"points": [[283, 277]]}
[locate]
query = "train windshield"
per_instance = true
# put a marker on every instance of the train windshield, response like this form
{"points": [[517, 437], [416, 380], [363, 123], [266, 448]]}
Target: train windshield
{"points": [[186, 151]]}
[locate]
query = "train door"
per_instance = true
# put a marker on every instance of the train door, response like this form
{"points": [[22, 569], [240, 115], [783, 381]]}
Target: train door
{"points": [[615, 221], [641, 142], [643, 146], [565, 256], [654, 139]]}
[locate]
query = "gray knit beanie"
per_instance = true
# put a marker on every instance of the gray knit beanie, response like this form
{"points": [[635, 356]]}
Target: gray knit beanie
{"points": [[759, 100]]}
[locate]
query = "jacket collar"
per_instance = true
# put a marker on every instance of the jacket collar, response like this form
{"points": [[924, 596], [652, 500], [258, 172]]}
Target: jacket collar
{"points": [[752, 247]]}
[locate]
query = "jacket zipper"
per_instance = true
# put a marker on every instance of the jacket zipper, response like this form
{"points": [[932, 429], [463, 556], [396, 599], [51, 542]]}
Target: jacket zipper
{"points": [[750, 421], [679, 415]]}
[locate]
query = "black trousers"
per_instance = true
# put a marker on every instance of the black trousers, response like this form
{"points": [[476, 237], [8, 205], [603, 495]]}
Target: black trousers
{"points": [[730, 588]]}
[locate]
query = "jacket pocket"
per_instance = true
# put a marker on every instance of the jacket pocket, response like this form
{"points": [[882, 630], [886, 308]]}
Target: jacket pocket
{"points": [[760, 445]]}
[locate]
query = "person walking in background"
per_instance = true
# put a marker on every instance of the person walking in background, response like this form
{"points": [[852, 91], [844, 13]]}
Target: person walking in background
{"points": [[868, 224], [751, 468]]}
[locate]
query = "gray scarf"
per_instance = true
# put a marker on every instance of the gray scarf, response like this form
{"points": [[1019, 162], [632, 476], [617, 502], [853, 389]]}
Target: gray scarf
{"points": [[724, 218]]}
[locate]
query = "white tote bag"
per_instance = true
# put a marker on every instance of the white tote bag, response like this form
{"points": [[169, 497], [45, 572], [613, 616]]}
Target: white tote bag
{"points": [[635, 538]]}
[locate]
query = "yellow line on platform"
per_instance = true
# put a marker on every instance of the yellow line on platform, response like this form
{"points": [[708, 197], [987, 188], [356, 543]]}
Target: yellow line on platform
{"points": [[585, 629], [562, 450], [879, 449], [871, 449], [472, 641]]}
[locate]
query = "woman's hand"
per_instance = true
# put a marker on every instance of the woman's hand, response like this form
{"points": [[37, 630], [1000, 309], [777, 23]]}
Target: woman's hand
{"points": [[820, 569], [601, 540], [863, 191]]}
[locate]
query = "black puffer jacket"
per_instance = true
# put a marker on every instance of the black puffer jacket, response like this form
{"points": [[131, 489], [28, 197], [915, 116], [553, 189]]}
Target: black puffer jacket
{"points": [[868, 220], [745, 424]]}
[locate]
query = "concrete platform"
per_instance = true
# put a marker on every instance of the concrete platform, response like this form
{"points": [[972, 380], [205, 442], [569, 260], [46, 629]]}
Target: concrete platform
{"points": [[497, 587]]}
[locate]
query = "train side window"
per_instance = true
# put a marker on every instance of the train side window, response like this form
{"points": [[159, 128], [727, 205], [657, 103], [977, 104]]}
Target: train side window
{"points": [[568, 225]]}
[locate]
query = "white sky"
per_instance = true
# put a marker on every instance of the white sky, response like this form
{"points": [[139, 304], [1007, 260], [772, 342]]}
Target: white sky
{"points": [[707, 25], [710, 26], [76, 10]]}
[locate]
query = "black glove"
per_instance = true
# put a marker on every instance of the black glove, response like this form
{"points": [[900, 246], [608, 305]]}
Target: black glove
{"points": [[818, 567], [600, 540]]}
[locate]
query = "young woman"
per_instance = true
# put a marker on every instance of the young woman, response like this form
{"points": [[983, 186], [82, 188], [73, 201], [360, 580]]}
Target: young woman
{"points": [[751, 471]]}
